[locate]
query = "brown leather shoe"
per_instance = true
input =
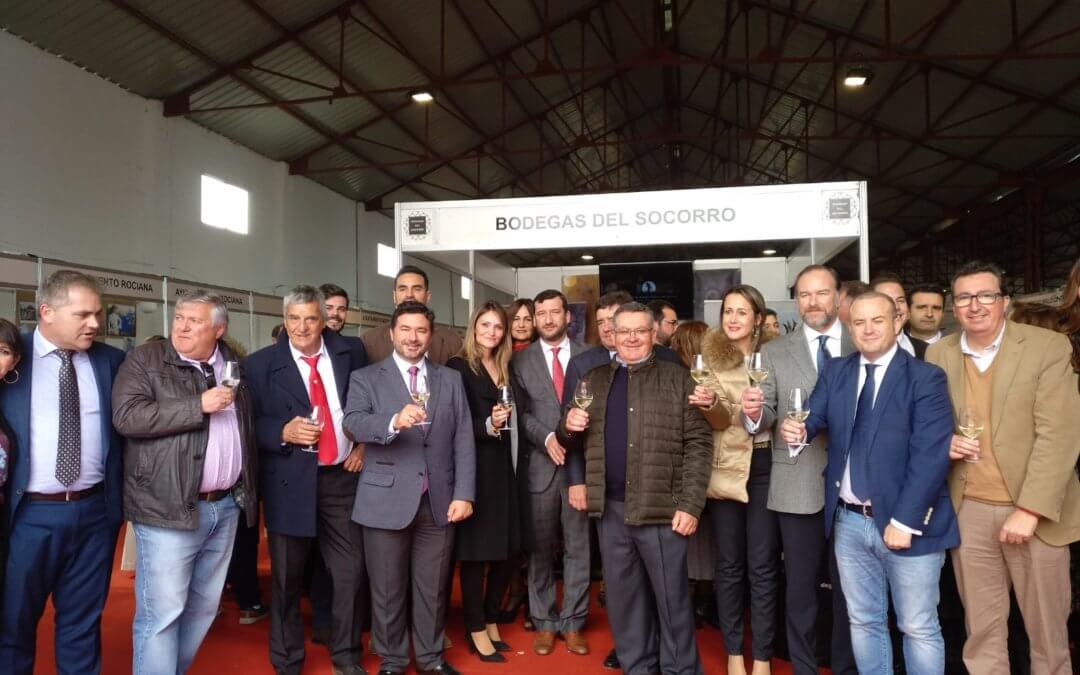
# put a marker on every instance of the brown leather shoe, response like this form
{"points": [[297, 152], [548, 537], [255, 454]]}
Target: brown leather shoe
{"points": [[544, 642], [575, 643]]}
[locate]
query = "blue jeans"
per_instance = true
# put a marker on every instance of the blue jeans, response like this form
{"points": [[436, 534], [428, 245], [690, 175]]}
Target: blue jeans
{"points": [[868, 572], [179, 575]]}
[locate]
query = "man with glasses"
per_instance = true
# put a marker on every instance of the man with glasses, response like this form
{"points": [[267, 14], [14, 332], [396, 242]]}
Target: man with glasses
{"points": [[1014, 487], [648, 454]]}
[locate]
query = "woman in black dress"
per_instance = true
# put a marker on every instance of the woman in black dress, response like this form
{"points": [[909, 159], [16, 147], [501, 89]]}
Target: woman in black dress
{"points": [[487, 543]]}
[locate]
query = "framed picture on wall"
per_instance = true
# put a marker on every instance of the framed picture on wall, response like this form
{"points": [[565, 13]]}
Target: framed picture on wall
{"points": [[27, 311], [120, 320], [578, 321]]}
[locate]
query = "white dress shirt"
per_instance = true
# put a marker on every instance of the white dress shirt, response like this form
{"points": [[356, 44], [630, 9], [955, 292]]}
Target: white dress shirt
{"points": [[982, 359], [935, 337], [846, 493], [403, 368], [45, 420], [564, 353], [326, 371], [904, 342], [832, 343]]}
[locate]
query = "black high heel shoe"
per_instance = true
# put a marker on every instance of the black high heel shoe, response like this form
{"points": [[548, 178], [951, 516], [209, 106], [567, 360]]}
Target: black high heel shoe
{"points": [[501, 646], [494, 657]]}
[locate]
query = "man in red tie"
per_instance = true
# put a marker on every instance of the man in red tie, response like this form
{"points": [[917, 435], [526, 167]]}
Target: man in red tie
{"points": [[540, 370], [309, 474]]}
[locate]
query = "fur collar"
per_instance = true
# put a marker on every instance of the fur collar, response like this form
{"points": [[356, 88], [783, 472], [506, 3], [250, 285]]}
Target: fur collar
{"points": [[721, 353]]}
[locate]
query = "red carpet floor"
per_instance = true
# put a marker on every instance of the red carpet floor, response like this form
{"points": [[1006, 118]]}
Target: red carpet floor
{"points": [[232, 648]]}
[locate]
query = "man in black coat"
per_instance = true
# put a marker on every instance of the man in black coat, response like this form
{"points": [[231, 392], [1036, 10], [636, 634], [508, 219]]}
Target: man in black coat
{"points": [[308, 475]]}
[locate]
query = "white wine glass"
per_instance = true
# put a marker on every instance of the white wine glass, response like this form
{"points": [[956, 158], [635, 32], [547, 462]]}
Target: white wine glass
{"points": [[699, 370], [420, 395], [798, 410], [583, 395], [755, 369], [970, 425], [316, 418], [230, 375], [506, 402]]}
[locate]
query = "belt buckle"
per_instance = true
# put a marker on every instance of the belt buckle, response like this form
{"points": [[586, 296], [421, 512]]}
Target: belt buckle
{"points": [[67, 495], [865, 510]]}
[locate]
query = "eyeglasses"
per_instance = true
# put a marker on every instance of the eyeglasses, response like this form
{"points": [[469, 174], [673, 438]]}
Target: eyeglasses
{"points": [[985, 298], [636, 332]]}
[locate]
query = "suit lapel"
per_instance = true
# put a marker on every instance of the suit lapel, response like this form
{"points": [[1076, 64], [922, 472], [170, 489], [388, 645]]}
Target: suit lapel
{"points": [[339, 359], [394, 383], [800, 354], [540, 366], [894, 374], [287, 374], [104, 386], [849, 396], [846, 345], [434, 381], [1008, 362], [954, 373]]}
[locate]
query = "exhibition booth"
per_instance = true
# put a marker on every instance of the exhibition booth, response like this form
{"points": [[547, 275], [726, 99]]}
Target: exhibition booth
{"points": [[468, 236]]}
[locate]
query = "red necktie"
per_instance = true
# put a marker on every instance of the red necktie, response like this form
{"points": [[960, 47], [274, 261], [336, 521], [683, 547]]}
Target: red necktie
{"points": [[557, 375], [328, 450]]}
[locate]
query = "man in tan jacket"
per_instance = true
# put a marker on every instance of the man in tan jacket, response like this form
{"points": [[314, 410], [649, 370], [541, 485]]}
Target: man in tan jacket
{"points": [[411, 283], [1014, 487]]}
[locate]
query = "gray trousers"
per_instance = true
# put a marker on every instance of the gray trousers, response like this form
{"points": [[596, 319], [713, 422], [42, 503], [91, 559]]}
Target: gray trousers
{"points": [[551, 511], [648, 596], [413, 562]]}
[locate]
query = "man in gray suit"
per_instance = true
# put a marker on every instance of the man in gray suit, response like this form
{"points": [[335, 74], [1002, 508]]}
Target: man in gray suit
{"points": [[417, 480], [796, 486], [540, 370]]}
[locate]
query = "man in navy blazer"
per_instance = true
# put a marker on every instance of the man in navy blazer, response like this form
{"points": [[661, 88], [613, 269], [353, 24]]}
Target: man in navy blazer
{"points": [[418, 479], [64, 506], [889, 421], [309, 475]]}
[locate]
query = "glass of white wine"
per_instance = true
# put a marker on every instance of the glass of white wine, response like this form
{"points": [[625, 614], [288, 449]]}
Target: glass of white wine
{"points": [[230, 376], [970, 425], [699, 370], [506, 401], [314, 418], [755, 369], [420, 395], [798, 410], [583, 395]]}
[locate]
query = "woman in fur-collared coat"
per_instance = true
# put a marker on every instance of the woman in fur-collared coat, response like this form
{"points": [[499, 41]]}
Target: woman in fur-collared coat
{"points": [[744, 531]]}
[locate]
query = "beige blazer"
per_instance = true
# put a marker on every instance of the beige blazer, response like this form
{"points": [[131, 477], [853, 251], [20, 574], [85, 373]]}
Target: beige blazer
{"points": [[1035, 424]]}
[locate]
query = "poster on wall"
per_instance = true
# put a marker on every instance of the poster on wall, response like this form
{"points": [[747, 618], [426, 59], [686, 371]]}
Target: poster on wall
{"points": [[27, 312], [578, 321], [712, 285], [120, 320]]}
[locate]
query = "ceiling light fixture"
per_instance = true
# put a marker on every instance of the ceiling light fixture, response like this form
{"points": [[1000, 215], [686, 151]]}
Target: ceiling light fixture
{"points": [[858, 76], [769, 251], [422, 97], [586, 256]]}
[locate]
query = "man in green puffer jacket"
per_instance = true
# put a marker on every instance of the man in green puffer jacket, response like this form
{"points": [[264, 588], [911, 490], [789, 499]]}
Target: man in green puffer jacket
{"points": [[647, 463]]}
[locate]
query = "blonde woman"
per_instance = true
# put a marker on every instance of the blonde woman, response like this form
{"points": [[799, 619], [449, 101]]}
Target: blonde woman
{"points": [[744, 531], [487, 543]]}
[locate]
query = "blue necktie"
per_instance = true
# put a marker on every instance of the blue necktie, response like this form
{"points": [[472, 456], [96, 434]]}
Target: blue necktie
{"points": [[859, 451], [823, 354]]}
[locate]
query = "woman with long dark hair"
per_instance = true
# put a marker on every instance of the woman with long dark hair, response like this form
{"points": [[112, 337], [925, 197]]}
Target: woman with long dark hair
{"points": [[745, 538], [487, 543]]}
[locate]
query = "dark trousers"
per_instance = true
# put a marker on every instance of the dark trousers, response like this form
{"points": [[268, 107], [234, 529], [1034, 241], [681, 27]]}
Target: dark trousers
{"points": [[747, 544], [341, 543], [648, 595], [64, 550], [243, 573], [803, 541], [413, 562], [479, 600]]}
